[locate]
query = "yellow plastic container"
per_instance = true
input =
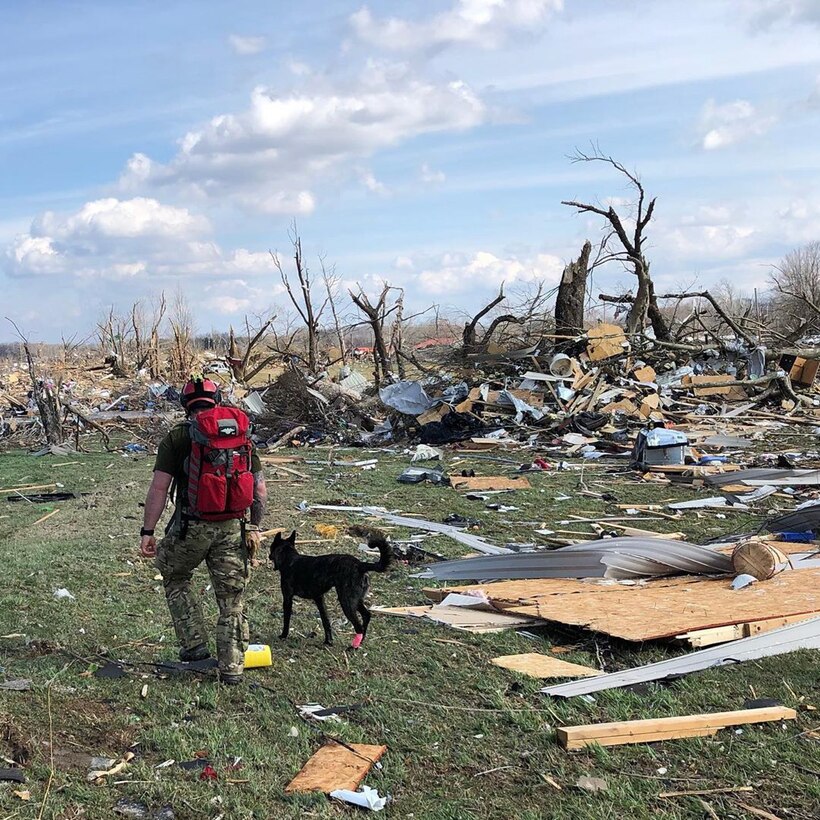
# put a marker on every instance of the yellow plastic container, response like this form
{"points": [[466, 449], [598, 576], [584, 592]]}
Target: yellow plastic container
{"points": [[258, 654]]}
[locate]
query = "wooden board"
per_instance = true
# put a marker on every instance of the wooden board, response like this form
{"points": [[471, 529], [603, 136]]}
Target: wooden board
{"points": [[543, 666], [336, 767], [490, 483], [662, 608], [605, 341], [722, 634], [644, 731]]}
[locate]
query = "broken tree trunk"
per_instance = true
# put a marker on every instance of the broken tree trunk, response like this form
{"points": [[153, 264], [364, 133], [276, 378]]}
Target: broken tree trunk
{"points": [[47, 401], [569, 302], [375, 318]]}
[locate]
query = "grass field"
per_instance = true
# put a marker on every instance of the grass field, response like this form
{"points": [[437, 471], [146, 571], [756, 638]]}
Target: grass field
{"points": [[466, 739]]}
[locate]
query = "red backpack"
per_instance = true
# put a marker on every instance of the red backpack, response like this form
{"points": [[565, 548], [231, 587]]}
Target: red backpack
{"points": [[220, 480]]}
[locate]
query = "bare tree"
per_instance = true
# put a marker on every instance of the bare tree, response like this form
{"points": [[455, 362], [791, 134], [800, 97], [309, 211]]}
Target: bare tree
{"points": [[631, 246], [46, 395], [795, 281], [182, 338], [245, 365], [331, 281], [376, 315], [472, 344], [145, 330], [114, 333], [309, 309]]}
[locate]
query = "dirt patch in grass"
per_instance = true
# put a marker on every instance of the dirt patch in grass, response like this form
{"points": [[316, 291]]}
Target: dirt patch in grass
{"points": [[96, 729]]}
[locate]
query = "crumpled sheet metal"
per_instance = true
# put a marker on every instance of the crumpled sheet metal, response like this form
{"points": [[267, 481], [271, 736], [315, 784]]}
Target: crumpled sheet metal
{"points": [[616, 558], [805, 518], [472, 541], [801, 635]]}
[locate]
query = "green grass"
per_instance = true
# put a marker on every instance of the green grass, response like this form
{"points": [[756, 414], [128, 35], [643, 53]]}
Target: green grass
{"points": [[465, 738]]}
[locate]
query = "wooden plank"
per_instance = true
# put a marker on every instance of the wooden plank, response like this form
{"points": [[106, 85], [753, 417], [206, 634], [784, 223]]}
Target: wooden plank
{"points": [[543, 666], [490, 483], [722, 634], [641, 731], [46, 517], [336, 767], [266, 459], [29, 488], [662, 608], [649, 737]]}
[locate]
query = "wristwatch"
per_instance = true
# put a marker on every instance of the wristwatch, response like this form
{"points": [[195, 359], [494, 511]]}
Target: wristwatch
{"points": [[143, 531]]}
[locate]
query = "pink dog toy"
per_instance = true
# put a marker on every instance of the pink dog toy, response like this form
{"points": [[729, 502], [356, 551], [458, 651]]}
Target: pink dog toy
{"points": [[357, 640]]}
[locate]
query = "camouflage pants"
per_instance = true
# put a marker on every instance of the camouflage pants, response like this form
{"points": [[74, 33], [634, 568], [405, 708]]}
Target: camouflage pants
{"points": [[219, 544]]}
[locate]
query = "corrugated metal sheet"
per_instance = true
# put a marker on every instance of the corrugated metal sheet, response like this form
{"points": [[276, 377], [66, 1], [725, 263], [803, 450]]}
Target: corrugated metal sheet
{"points": [[620, 558]]}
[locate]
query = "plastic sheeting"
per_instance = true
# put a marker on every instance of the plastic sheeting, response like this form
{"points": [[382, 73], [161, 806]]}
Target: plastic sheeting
{"points": [[408, 398]]}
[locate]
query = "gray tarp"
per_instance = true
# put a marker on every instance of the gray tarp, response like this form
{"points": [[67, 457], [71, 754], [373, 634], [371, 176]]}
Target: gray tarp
{"points": [[409, 398]]}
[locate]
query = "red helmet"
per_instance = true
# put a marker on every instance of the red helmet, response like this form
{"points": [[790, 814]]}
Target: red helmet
{"points": [[200, 390]]}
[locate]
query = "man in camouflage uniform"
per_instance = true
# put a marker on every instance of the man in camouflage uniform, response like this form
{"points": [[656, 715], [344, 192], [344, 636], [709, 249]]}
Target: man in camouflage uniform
{"points": [[188, 543]]}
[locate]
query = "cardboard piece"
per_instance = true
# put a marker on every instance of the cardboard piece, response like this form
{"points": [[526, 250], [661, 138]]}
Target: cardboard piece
{"points": [[719, 390], [605, 341], [801, 371], [336, 767], [543, 666], [646, 374], [433, 414]]}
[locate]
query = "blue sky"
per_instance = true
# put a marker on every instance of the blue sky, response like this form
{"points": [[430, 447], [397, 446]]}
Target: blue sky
{"points": [[151, 146]]}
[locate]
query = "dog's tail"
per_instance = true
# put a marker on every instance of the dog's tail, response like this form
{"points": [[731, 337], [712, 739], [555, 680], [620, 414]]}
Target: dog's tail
{"points": [[378, 541]]}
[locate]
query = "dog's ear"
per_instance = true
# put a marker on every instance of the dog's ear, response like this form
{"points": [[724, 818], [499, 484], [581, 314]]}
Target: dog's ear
{"points": [[277, 539], [292, 537]]}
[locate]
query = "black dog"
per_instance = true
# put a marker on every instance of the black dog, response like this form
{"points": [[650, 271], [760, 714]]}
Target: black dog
{"points": [[311, 576]]}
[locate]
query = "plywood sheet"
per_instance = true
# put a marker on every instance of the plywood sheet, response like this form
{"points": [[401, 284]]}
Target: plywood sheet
{"points": [[657, 609], [490, 483], [543, 666], [336, 767]]}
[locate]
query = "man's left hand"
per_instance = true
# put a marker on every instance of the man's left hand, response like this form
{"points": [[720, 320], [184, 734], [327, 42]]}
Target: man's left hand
{"points": [[252, 543]]}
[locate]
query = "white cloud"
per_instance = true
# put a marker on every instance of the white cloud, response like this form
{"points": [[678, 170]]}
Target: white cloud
{"points": [[486, 23], [800, 220], [461, 273], [371, 183], [246, 46], [111, 239], [767, 13], [266, 157], [730, 123], [431, 176]]}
